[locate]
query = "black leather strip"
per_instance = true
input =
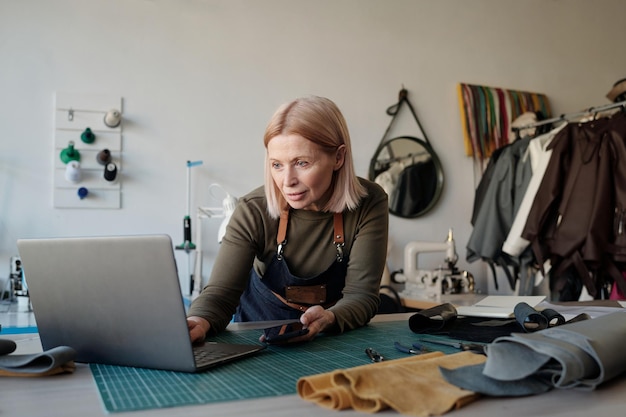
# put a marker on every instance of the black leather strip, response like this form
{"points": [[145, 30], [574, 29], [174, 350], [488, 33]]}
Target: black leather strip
{"points": [[530, 319], [435, 318]]}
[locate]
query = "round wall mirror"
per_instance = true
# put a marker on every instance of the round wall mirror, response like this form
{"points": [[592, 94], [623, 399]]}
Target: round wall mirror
{"points": [[410, 172]]}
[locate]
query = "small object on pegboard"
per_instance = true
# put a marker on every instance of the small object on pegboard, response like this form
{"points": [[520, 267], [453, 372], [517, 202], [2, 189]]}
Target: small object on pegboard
{"points": [[112, 118], [110, 172], [82, 193], [103, 157], [73, 173], [88, 136], [70, 153]]}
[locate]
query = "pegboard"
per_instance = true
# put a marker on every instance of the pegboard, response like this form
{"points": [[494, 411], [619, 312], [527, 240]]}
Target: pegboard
{"points": [[74, 113]]}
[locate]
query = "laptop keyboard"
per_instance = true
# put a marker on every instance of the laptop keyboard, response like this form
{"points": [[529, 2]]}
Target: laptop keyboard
{"points": [[206, 356]]}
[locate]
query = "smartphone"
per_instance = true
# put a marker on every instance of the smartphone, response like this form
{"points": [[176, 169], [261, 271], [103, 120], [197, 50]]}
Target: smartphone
{"points": [[283, 333]]}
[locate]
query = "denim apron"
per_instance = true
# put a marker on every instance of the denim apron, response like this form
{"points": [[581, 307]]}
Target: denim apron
{"points": [[269, 297]]}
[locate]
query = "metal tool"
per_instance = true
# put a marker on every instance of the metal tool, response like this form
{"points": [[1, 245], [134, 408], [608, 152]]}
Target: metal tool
{"points": [[373, 355], [417, 349], [473, 347]]}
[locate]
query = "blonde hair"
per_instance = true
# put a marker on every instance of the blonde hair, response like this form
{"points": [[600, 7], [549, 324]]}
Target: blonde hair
{"points": [[319, 120]]}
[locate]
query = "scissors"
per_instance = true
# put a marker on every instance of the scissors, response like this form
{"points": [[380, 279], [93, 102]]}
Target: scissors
{"points": [[373, 355]]}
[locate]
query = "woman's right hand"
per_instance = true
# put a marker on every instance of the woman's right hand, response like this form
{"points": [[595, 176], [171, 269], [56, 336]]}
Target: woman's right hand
{"points": [[198, 328]]}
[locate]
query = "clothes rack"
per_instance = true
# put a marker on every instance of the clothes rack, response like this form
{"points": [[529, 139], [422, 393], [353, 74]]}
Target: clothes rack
{"points": [[567, 116]]}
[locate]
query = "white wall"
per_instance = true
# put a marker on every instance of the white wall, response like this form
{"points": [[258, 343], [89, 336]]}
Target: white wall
{"points": [[200, 79]]}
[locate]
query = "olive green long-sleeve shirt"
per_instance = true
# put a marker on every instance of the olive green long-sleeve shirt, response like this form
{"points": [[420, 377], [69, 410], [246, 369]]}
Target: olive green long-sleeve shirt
{"points": [[250, 242]]}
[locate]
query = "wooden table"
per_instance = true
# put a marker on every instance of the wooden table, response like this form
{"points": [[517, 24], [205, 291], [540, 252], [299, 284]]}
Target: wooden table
{"points": [[76, 395]]}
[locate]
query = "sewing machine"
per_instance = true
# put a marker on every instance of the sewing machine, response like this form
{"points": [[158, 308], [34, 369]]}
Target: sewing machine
{"points": [[423, 284]]}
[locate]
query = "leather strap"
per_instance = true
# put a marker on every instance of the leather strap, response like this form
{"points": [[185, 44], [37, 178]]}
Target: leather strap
{"points": [[338, 236], [338, 224], [403, 97], [281, 237], [339, 240]]}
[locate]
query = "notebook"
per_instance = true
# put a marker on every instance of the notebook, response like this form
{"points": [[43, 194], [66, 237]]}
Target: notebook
{"points": [[116, 300], [498, 306]]}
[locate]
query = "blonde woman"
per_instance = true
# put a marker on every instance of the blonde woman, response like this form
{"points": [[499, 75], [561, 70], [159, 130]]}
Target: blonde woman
{"points": [[310, 245]]}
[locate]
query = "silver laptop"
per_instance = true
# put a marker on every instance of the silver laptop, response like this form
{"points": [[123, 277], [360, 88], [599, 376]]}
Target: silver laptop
{"points": [[116, 300]]}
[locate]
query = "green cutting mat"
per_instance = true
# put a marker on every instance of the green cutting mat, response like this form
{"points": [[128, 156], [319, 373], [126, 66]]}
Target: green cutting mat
{"points": [[273, 371]]}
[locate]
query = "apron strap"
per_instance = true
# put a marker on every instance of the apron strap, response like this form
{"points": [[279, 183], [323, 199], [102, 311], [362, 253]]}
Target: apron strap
{"points": [[281, 237], [338, 237]]}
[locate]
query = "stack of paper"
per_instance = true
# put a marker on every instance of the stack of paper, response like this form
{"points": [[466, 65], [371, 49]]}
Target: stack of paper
{"points": [[499, 306]]}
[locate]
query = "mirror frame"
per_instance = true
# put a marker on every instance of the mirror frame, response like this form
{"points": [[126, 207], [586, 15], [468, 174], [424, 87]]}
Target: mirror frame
{"points": [[438, 168]]}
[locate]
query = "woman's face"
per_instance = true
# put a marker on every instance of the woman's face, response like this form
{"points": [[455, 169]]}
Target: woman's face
{"points": [[302, 171]]}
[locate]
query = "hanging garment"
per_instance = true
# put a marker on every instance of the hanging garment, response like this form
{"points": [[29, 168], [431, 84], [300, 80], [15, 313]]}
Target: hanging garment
{"points": [[483, 185], [571, 220], [388, 179], [514, 245], [539, 153], [415, 189], [499, 204], [617, 246]]}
